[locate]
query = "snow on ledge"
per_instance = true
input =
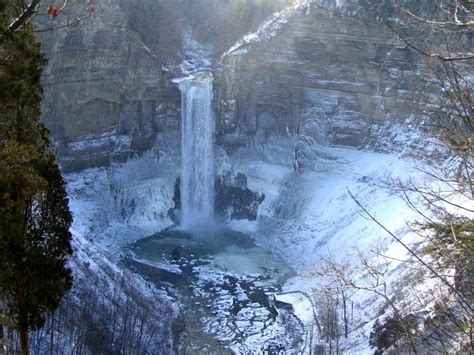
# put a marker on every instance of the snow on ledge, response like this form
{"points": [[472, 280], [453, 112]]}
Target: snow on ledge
{"points": [[268, 29]]}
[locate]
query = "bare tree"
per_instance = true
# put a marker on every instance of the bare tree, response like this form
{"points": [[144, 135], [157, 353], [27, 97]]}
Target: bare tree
{"points": [[429, 321], [69, 13]]}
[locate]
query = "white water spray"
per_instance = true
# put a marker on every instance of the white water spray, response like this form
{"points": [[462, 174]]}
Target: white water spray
{"points": [[197, 153]]}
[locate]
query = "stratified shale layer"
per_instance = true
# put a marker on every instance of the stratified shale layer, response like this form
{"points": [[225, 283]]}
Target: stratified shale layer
{"points": [[332, 77]]}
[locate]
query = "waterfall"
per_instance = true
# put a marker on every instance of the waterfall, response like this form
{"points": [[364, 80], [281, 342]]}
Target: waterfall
{"points": [[197, 153]]}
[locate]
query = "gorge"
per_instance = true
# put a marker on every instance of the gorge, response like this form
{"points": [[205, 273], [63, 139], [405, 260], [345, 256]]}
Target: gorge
{"points": [[217, 156]]}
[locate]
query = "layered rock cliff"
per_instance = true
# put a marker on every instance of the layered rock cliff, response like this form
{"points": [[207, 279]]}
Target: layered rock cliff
{"points": [[103, 88], [319, 75], [107, 90], [324, 75]]}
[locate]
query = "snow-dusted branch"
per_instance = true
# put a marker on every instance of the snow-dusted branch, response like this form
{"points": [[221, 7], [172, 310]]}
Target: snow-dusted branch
{"points": [[25, 16], [426, 53], [465, 304], [457, 22]]}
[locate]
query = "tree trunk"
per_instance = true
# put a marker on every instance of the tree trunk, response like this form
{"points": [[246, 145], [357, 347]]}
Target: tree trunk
{"points": [[51, 335], [344, 314], [24, 341]]}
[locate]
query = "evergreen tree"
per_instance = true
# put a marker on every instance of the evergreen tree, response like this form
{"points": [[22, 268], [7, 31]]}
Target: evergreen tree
{"points": [[34, 212]]}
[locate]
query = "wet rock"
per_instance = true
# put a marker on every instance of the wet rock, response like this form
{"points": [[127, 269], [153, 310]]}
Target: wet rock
{"points": [[233, 199], [240, 181], [236, 201]]}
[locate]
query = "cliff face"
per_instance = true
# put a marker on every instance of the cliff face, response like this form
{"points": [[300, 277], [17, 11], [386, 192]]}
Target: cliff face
{"points": [[107, 90], [102, 86], [332, 78]]}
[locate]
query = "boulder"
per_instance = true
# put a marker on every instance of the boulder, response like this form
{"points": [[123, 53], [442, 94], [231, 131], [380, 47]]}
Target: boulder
{"points": [[233, 199]]}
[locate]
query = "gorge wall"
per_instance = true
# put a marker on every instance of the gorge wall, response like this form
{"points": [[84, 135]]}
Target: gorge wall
{"points": [[103, 90], [330, 78], [107, 90], [324, 75]]}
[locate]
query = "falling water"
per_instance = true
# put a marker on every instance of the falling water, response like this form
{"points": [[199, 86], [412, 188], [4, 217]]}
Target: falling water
{"points": [[197, 154]]}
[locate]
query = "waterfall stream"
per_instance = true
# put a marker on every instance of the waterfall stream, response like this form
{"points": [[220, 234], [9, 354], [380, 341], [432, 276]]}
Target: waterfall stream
{"points": [[197, 152]]}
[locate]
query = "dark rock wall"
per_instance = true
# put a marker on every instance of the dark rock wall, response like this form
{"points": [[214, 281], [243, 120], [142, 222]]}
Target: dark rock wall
{"points": [[108, 94], [233, 199]]}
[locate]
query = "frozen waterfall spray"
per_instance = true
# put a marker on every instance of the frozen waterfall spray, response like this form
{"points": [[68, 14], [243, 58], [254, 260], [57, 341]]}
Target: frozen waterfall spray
{"points": [[197, 153]]}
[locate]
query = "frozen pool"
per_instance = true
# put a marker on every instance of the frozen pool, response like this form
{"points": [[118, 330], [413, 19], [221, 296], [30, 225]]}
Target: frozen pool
{"points": [[222, 280]]}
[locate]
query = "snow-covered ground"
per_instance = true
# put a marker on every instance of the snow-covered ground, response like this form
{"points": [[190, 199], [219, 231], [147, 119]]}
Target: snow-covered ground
{"points": [[109, 309], [307, 217], [113, 206], [311, 214], [268, 29], [310, 219]]}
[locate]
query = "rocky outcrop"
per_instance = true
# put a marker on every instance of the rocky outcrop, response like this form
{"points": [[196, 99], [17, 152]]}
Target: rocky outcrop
{"points": [[332, 78], [233, 199]]}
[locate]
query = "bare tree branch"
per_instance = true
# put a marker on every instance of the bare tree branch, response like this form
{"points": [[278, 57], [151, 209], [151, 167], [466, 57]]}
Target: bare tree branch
{"points": [[457, 22], [25, 16], [464, 304], [424, 52], [69, 24]]}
